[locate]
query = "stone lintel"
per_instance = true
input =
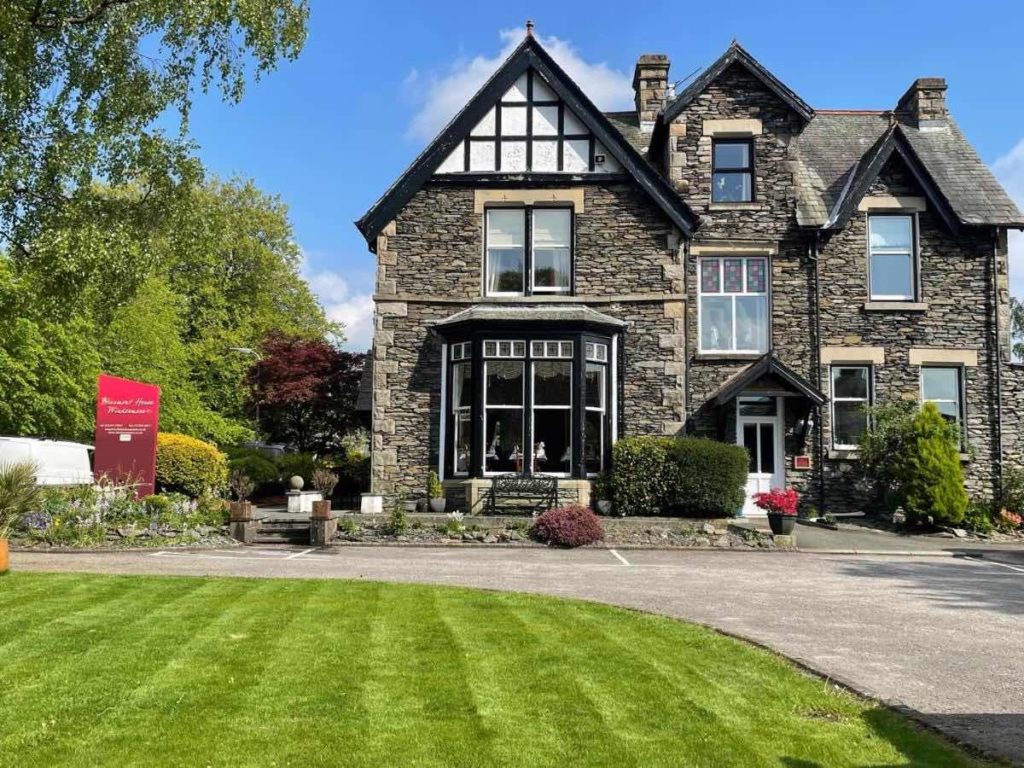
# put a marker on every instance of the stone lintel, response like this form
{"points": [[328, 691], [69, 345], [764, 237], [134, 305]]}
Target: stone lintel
{"points": [[730, 248], [927, 356], [483, 197], [872, 355], [891, 203], [733, 127]]}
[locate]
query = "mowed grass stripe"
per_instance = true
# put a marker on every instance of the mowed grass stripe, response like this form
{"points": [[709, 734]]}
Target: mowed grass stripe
{"points": [[235, 672]]}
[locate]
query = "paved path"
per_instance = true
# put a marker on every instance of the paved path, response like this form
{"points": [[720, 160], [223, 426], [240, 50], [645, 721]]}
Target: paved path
{"points": [[943, 636]]}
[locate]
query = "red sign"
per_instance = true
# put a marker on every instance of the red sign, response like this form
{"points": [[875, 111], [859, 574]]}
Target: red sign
{"points": [[127, 415]]}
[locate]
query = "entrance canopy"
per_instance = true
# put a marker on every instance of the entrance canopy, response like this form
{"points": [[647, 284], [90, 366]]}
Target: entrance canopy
{"points": [[767, 367]]}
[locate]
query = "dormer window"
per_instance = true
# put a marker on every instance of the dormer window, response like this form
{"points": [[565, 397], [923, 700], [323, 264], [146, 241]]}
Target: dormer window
{"points": [[732, 171], [528, 251]]}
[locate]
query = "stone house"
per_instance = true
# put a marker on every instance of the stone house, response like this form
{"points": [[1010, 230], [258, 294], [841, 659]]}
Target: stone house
{"points": [[727, 261]]}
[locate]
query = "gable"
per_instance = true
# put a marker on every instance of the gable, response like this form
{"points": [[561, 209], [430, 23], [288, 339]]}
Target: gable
{"points": [[507, 84], [530, 129]]}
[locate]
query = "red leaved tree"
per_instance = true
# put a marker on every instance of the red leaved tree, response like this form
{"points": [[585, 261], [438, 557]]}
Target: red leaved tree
{"points": [[306, 390]]}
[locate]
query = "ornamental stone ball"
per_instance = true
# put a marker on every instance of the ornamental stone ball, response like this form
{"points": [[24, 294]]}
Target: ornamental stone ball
{"points": [[296, 483]]}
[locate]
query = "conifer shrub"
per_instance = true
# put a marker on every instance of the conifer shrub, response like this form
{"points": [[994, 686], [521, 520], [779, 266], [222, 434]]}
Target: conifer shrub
{"points": [[932, 479]]}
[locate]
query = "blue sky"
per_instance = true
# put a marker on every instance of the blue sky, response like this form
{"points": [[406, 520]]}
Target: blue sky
{"points": [[331, 131]]}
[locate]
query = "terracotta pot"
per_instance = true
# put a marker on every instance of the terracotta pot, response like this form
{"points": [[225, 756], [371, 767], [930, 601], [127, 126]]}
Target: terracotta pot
{"points": [[321, 509], [241, 510], [781, 525], [5, 556]]}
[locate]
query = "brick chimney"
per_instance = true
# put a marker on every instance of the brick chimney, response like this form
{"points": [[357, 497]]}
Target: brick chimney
{"points": [[650, 86], [924, 103]]}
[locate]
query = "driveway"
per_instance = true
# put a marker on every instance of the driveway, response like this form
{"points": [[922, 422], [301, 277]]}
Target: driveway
{"points": [[942, 636]]}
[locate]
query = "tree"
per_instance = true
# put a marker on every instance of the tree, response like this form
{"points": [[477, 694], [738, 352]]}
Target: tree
{"points": [[306, 391], [83, 83], [1017, 328]]}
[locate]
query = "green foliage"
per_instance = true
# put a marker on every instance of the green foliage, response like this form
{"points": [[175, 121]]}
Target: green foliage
{"points": [[640, 483], [1013, 489], [301, 464], [685, 475], [978, 516], [84, 84], [434, 488], [19, 494], [190, 466], [882, 447], [398, 523], [1017, 328], [707, 477], [353, 470], [258, 467], [932, 479]]}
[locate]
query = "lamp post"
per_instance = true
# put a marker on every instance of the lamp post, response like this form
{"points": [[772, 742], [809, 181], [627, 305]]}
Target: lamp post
{"points": [[252, 353]]}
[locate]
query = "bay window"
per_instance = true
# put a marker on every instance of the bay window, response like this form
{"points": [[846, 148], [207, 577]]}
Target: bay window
{"points": [[528, 405], [528, 250], [733, 301], [891, 257]]}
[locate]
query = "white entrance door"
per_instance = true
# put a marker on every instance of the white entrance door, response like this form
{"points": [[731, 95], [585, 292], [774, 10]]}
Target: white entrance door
{"points": [[759, 430]]}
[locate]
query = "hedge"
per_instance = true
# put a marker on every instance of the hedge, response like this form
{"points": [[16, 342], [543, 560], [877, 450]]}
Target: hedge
{"points": [[187, 465], [678, 475]]}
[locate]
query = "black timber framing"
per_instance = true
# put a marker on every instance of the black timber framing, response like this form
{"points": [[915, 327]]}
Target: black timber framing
{"points": [[529, 54]]}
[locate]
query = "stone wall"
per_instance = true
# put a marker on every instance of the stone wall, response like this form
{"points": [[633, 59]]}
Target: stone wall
{"points": [[956, 287], [430, 267], [1013, 416]]}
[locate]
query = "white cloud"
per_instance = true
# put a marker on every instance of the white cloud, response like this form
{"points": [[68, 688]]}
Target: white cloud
{"points": [[1009, 169], [342, 304], [441, 96]]}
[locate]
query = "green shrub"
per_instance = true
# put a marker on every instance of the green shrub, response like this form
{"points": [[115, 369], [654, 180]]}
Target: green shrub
{"points": [[257, 467], [979, 515], [639, 481], [353, 471], [434, 488], [707, 478], [932, 479], [889, 434], [1013, 489], [189, 466], [291, 464]]}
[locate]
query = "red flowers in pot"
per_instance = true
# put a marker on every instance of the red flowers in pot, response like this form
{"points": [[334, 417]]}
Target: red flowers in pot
{"points": [[781, 508]]}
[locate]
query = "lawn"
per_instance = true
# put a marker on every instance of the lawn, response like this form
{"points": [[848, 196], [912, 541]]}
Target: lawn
{"points": [[106, 670]]}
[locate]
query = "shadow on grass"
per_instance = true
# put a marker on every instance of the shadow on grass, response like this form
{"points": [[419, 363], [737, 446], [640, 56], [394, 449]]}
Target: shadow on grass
{"points": [[1001, 734]]}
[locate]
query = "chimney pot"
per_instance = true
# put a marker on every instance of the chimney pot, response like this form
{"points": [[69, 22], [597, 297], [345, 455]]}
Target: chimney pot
{"points": [[650, 87]]}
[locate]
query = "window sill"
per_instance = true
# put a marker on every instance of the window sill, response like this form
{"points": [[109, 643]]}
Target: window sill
{"points": [[844, 454], [895, 306], [710, 357], [751, 206]]}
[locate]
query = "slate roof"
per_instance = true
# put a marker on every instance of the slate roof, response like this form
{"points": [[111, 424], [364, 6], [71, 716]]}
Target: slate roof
{"points": [[766, 365], [834, 149], [628, 124], [531, 313]]}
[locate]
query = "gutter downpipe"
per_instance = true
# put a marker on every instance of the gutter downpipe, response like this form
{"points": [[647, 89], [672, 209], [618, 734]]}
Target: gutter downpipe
{"points": [[999, 367], [819, 427]]}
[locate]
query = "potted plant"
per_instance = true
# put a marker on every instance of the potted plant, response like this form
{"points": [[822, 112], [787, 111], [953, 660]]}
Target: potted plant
{"points": [[324, 481], [435, 492], [242, 486], [601, 489], [781, 508], [19, 495]]}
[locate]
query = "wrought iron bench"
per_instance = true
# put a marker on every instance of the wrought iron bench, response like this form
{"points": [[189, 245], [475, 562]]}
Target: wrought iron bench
{"points": [[509, 492]]}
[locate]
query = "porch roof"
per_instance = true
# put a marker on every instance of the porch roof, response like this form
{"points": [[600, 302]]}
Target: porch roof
{"points": [[767, 365]]}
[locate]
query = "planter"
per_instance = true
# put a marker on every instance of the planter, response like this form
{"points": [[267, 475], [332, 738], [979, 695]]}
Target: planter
{"points": [[322, 510], [5, 556], [781, 525], [604, 507], [240, 511], [410, 505], [437, 505]]}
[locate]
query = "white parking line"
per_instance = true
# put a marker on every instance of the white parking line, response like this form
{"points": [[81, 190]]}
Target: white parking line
{"points": [[299, 554], [993, 562], [621, 559]]}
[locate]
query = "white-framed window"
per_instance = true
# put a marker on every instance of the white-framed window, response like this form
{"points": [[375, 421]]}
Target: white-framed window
{"points": [[551, 349], [462, 405], [851, 395], [461, 351], [504, 388], [502, 348], [597, 352], [552, 416], [733, 301], [595, 407], [891, 257], [943, 385], [528, 250]]}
